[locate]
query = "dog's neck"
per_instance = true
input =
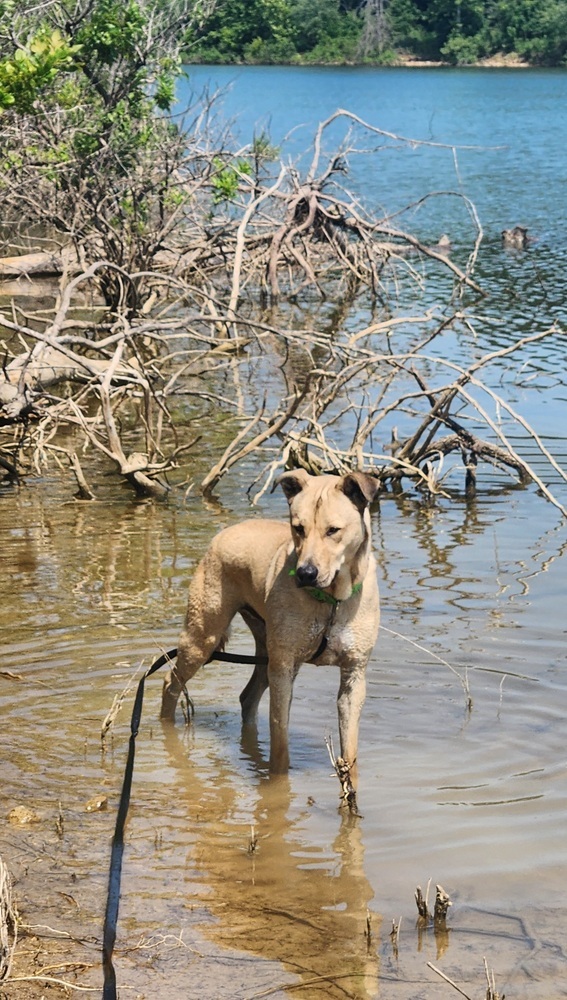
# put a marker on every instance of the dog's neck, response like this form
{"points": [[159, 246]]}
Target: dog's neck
{"points": [[325, 596]]}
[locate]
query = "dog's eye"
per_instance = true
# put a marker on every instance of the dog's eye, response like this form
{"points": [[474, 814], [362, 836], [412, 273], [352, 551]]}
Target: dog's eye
{"points": [[333, 531], [299, 530]]}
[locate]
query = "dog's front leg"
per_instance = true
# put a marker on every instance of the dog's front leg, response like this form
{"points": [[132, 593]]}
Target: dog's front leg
{"points": [[352, 692], [281, 677]]}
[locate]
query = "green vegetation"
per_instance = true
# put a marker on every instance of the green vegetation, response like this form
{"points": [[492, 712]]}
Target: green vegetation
{"points": [[383, 31], [88, 151]]}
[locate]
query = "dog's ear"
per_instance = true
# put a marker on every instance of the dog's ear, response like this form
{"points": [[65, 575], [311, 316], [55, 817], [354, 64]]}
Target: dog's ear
{"points": [[360, 488], [293, 482]]}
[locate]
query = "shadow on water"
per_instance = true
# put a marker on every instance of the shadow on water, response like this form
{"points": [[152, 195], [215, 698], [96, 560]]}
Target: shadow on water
{"points": [[271, 894]]}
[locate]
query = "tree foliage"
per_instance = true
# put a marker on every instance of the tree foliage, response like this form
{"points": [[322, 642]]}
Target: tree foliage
{"points": [[88, 150], [280, 31], [457, 31], [468, 30]]}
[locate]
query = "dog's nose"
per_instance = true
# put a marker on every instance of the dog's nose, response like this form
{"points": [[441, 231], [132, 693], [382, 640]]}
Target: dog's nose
{"points": [[306, 574]]}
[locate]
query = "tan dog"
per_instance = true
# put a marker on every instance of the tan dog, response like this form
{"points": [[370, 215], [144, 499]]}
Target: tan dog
{"points": [[308, 592]]}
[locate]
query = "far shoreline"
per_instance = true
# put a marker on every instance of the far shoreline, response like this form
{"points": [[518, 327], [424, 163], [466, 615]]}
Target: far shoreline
{"points": [[491, 62]]}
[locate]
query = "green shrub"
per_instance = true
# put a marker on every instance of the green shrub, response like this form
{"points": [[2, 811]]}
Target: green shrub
{"points": [[462, 51]]}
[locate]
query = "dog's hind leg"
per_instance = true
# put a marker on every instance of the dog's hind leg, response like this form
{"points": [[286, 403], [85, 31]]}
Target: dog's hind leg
{"points": [[210, 610], [191, 656], [258, 683]]}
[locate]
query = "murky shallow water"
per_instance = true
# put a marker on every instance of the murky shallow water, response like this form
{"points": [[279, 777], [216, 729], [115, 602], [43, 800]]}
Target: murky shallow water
{"points": [[474, 801]]}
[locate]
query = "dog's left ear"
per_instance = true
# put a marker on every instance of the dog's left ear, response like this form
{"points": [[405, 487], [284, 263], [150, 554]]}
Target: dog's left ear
{"points": [[293, 482], [360, 488]]}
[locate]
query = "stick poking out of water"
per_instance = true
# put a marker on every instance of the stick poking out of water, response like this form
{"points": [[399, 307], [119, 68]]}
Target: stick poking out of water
{"points": [[8, 922], [342, 770]]}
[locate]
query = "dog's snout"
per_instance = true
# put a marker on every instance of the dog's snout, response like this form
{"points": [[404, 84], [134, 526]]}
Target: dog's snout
{"points": [[306, 574]]}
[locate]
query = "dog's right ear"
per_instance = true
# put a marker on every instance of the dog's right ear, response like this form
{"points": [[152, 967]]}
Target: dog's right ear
{"points": [[292, 483]]}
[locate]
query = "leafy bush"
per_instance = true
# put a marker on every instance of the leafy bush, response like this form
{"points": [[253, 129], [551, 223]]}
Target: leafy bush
{"points": [[226, 179], [87, 148], [462, 51], [461, 31], [32, 70]]}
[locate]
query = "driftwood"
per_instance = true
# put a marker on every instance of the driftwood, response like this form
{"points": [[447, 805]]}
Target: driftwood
{"points": [[442, 904], [123, 365], [8, 922], [41, 263], [342, 770], [192, 322]]}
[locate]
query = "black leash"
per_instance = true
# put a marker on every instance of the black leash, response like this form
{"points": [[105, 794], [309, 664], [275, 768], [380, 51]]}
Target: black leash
{"points": [[115, 873], [117, 849]]}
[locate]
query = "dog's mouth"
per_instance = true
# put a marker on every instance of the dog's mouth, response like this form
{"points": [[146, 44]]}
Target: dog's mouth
{"points": [[308, 575]]}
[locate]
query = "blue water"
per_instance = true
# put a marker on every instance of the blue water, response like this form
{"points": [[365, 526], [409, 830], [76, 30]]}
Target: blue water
{"points": [[517, 119], [495, 136]]}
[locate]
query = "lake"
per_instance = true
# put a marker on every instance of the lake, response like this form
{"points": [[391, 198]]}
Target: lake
{"points": [[473, 594], [515, 121]]}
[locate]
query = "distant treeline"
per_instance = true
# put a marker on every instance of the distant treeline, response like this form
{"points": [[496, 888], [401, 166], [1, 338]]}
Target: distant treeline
{"points": [[382, 31]]}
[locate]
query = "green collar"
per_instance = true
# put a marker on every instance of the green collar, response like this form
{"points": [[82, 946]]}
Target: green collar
{"points": [[323, 596]]}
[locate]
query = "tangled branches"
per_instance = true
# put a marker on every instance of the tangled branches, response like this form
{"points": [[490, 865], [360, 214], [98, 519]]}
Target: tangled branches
{"points": [[334, 427], [191, 337]]}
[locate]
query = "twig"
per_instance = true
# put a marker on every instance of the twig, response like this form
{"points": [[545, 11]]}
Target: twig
{"points": [[117, 702], [56, 982], [342, 770], [447, 980], [491, 991], [8, 923], [464, 680]]}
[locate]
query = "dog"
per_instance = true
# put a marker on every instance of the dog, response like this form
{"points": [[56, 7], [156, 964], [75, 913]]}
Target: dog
{"points": [[306, 589]]}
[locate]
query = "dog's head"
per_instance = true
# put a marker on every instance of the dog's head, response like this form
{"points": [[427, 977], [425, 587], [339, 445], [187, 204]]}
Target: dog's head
{"points": [[330, 527]]}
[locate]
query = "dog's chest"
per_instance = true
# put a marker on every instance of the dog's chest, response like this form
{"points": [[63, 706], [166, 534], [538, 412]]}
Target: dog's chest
{"points": [[331, 640], [341, 641]]}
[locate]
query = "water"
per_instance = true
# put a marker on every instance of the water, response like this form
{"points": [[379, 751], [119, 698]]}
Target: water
{"points": [[513, 124], [474, 800]]}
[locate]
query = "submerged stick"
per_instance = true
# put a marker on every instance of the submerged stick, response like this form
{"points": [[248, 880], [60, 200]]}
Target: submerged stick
{"points": [[447, 980]]}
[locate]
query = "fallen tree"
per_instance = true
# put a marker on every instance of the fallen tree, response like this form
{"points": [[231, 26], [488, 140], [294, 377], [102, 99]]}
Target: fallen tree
{"points": [[116, 384], [193, 276]]}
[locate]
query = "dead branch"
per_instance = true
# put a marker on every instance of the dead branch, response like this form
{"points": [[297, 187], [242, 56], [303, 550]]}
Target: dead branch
{"points": [[8, 923], [231, 456], [447, 980], [154, 336], [442, 904], [342, 770], [421, 902]]}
